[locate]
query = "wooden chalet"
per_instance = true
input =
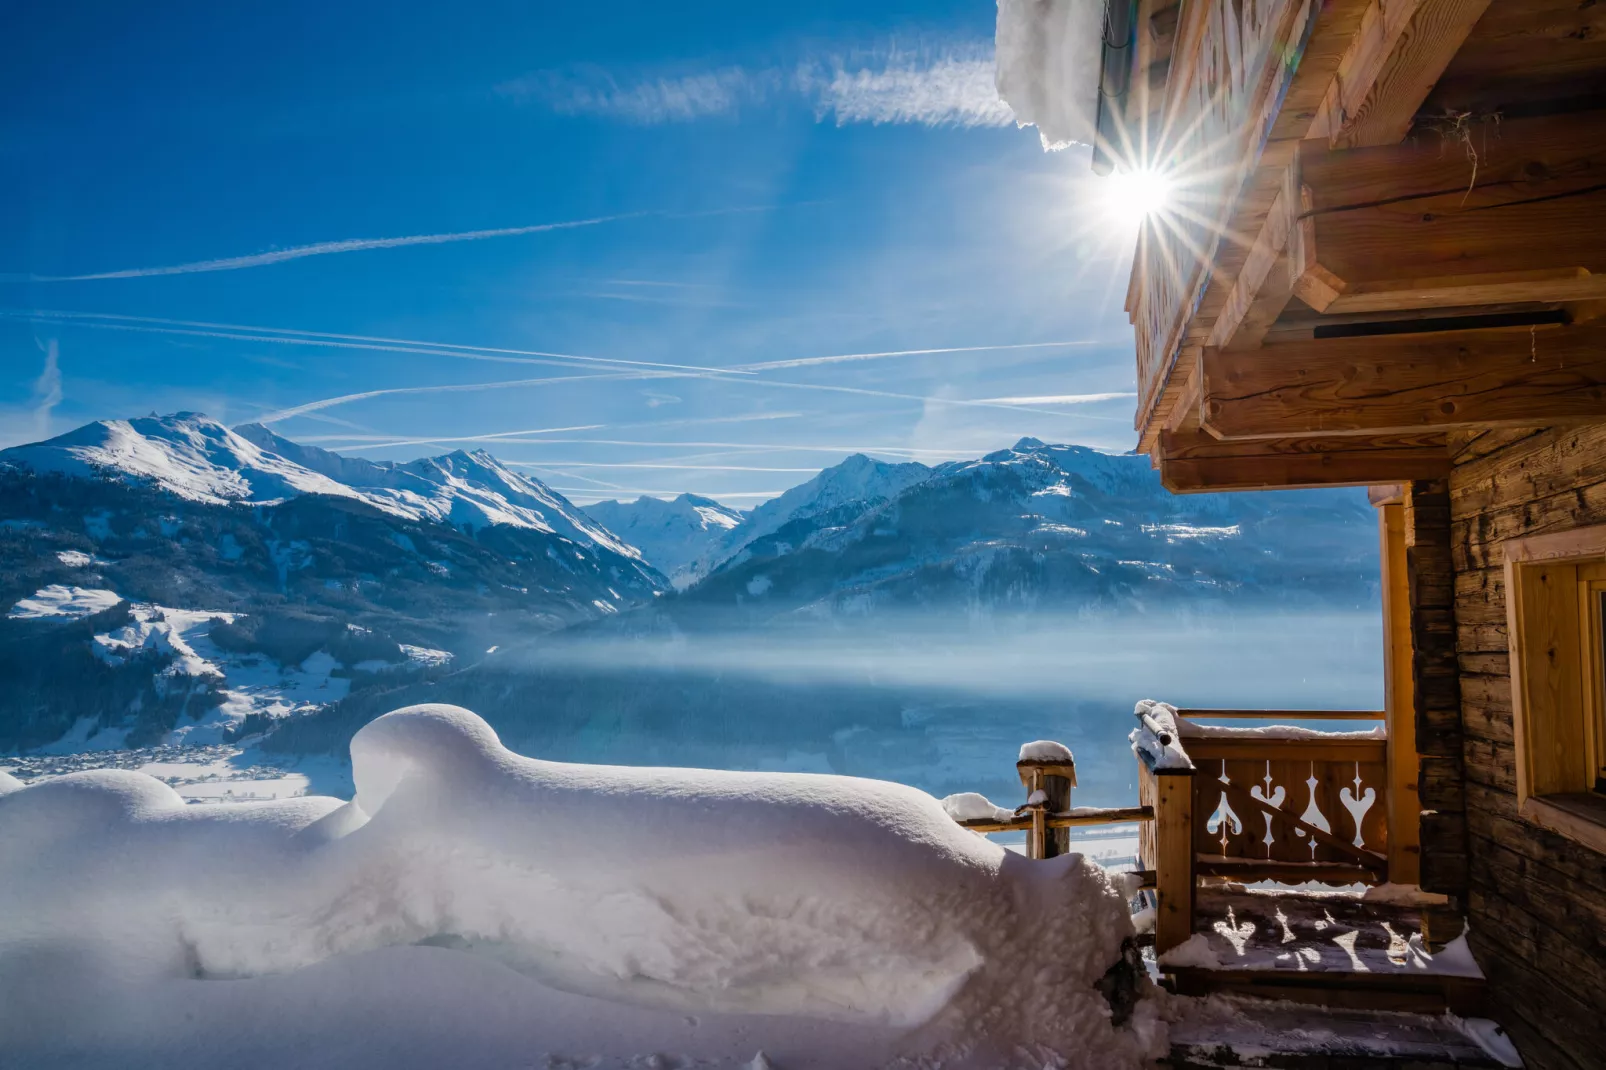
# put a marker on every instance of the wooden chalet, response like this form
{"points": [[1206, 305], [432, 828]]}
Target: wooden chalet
{"points": [[1383, 264]]}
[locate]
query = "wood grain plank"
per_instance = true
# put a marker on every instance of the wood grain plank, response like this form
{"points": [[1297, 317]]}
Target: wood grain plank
{"points": [[1406, 384], [1196, 462]]}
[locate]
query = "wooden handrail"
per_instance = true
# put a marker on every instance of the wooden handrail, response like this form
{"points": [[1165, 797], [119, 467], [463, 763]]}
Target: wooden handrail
{"points": [[1111, 815], [1286, 715], [1262, 748]]}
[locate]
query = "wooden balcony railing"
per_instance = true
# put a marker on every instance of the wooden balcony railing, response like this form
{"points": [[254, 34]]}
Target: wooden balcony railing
{"points": [[1256, 804], [1214, 802]]}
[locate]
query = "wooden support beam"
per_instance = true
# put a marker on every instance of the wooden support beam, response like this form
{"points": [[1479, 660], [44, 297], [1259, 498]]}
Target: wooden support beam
{"points": [[1198, 462], [1390, 67], [1404, 801], [1266, 282], [1404, 384], [1484, 214]]}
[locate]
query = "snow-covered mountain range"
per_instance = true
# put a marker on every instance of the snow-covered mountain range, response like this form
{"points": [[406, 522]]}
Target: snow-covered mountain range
{"points": [[200, 460], [129, 548], [170, 578], [875, 596], [1033, 528], [690, 537]]}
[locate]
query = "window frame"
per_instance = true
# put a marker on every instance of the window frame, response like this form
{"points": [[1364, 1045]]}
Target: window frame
{"points": [[1592, 633], [1558, 679]]}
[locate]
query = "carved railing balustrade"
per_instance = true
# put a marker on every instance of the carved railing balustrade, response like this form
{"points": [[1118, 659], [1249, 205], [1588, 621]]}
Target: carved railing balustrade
{"points": [[1282, 804]]}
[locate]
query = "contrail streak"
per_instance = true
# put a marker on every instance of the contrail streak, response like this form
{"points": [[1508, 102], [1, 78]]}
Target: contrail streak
{"points": [[327, 248], [388, 441], [1060, 399], [746, 447], [803, 362], [286, 336], [448, 388]]}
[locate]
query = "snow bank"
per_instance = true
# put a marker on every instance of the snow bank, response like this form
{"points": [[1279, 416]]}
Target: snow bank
{"points": [[1045, 750], [1276, 731], [802, 896], [1048, 54], [974, 806], [58, 600], [1156, 739], [1453, 960], [1195, 951]]}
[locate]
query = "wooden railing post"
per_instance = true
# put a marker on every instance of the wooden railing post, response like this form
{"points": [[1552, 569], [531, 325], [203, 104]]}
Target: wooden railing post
{"points": [[1051, 769], [1166, 783], [1173, 858]]}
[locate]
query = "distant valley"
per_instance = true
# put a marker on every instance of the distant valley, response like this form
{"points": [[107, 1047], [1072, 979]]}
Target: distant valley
{"points": [[170, 580]]}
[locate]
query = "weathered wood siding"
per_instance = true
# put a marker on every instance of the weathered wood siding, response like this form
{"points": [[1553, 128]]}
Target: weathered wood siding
{"points": [[1536, 900], [1430, 579]]}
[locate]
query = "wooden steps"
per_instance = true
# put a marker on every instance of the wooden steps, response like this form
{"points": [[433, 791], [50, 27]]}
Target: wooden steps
{"points": [[1256, 1036], [1421, 993], [1331, 949]]}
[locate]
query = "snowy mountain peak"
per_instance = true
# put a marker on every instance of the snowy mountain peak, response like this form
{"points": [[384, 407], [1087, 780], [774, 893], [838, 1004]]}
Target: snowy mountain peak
{"points": [[199, 459], [857, 478], [186, 453], [671, 534]]}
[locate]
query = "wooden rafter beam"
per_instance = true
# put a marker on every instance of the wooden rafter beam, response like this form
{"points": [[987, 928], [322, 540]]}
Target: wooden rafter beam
{"points": [[1400, 384], [1495, 213], [1196, 462], [1392, 64], [1285, 116]]}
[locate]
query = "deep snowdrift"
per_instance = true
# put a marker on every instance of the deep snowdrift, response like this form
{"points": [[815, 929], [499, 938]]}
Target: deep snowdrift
{"points": [[737, 895], [1048, 55]]}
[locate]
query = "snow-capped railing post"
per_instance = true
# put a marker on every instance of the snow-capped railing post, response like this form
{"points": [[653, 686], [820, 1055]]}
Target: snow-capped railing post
{"points": [[1048, 772], [1165, 845]]}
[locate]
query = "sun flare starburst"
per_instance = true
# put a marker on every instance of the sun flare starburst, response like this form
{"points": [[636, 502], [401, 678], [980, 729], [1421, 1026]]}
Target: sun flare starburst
{"points": [[1132, 196]]}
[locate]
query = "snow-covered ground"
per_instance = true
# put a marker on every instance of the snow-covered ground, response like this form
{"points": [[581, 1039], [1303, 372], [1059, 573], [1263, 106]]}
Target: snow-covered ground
{"points": [[472, 907], [199, 773], [249, 683], [64, 602]]}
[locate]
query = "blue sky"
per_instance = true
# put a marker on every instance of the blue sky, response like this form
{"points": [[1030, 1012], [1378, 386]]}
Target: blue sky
{"points": [[638, 228]]}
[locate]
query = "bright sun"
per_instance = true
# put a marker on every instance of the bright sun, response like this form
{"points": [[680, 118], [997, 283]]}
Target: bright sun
{"points": [[1129, 196]]}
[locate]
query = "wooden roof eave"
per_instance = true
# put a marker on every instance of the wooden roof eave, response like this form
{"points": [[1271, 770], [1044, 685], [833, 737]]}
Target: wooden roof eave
{"points": [[1362, 73]]}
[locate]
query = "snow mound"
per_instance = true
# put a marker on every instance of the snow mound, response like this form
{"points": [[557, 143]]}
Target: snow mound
{"points": [[1048, 54], [799, 895], [974, 806], [1195, 951], [1156, 740], [1191, 730], [59, 600], [1045, 750]]}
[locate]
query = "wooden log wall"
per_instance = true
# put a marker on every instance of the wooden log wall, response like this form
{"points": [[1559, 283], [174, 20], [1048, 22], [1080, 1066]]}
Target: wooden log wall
{"points": [[1430, 579], [1536, 900]]}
